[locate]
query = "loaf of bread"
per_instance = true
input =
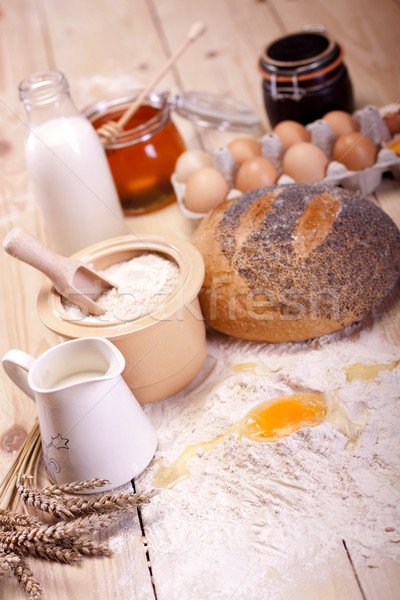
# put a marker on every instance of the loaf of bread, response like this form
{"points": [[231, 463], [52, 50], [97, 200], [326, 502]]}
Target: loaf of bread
{"points": [[287, 263]]}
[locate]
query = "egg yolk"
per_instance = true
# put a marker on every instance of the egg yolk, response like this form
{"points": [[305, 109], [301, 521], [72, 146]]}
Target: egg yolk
{"points": [[283, 416]]}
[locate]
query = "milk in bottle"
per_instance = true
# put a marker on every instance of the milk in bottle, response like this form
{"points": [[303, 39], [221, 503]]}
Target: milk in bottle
{"points": [[68, 166]]}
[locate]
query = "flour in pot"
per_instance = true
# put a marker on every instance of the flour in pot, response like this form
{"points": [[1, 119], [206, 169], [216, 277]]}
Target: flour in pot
{"points": [[142, 283]]}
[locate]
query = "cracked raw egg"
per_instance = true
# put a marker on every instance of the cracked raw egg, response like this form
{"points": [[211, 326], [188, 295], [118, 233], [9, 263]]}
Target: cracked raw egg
{"points": [[266, 422], [283, 416]]}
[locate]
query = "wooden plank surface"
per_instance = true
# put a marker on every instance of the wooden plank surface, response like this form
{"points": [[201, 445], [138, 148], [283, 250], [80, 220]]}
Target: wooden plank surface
{"points": [[106, 45], [124, 575]]}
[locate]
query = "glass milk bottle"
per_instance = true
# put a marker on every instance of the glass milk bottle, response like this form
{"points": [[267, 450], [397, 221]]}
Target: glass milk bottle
{"points": [[68, 167]]}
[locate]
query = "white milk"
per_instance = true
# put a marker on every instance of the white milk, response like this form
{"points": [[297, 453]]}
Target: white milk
{"points": [[73, 183], [78, 378]]}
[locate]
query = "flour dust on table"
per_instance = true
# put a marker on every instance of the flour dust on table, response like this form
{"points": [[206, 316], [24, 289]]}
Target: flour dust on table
{"points": [[260, 512]]}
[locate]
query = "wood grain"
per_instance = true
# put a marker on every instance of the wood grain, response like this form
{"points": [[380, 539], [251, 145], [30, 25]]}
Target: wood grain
{"points": [[368, 34], [379, 579]]}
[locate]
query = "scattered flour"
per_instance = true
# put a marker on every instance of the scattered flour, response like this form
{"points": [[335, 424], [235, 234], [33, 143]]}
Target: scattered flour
{"points": [[254, 520], [142, 284]]}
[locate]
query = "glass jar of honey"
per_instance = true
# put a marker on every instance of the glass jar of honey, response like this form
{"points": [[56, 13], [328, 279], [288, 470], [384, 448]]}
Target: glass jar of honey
{"points": [[304, 77], [143, 156]]}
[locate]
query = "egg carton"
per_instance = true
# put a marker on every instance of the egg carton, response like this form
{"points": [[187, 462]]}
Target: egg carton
{"points": [[366, 181]]}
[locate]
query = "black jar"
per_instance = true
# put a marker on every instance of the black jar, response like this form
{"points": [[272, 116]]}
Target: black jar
{"points": [[304, 77]]}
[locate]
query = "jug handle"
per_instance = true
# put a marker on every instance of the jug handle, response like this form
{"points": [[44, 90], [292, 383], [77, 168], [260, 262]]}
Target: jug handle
{"points": [[16, 364]]}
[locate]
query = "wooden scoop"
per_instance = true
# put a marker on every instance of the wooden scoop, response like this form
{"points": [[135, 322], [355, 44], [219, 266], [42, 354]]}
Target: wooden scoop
{"points": [[74, 280], [113, 128]]}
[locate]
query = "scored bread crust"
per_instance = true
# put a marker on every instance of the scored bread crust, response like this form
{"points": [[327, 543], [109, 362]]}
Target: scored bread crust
{"points": [[289, 263]]}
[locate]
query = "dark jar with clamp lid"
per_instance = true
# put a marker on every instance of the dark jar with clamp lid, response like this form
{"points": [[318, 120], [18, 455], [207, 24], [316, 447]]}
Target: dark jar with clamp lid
{"points": [[304, 77]]}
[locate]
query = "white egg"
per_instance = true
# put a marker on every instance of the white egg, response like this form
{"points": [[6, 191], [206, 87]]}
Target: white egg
{"points": [[190, 161]]}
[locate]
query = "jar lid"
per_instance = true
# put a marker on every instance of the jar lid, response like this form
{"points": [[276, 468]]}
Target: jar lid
{"points": [[217, 112], [306, 54]]}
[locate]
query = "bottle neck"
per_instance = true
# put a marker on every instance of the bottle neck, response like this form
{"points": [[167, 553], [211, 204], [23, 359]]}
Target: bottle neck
{"points": [[45, 96]]}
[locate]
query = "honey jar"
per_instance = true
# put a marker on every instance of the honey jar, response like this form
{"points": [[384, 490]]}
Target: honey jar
{"points": [[304, 77], [142, 157]]}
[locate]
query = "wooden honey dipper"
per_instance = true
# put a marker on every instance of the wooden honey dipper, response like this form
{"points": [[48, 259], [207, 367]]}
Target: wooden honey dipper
{"points": [[113, 128]]}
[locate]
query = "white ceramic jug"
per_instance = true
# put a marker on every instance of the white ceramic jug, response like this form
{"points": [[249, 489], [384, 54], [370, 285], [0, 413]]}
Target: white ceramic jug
{"points": [[91, 424]]}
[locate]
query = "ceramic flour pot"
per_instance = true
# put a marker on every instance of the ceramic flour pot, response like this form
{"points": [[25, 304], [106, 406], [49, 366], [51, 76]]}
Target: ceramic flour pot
{"points": [[164, 349]]}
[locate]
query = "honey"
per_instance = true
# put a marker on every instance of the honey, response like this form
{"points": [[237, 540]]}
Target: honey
{"points": [[142, 157]]}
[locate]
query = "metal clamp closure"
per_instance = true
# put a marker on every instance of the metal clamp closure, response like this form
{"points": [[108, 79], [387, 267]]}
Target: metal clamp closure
{"points": [[293, 93]]}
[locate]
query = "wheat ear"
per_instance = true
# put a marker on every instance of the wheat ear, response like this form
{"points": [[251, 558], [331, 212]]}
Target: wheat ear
{"points": [[89, 548], [57, 553], [75, 487], [64, 532], [9, 520], [6, 561], [26, 578], [105, 503], [43, 502]]}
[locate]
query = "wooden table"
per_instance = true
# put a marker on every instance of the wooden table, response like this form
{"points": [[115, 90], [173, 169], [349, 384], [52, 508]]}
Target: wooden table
{"points": [[112, 44]]}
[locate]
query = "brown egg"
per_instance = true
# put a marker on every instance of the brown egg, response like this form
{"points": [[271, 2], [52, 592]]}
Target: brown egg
{"points": [[305, 163], [355, 151], [205, 188], [392, 121], [291, 132], [190, 161], [244, 148], [341, 122], [255, 173]]}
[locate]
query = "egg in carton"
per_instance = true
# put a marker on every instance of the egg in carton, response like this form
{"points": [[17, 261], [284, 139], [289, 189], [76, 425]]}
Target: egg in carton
{"points": [[180, 188], [366, 181]]}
